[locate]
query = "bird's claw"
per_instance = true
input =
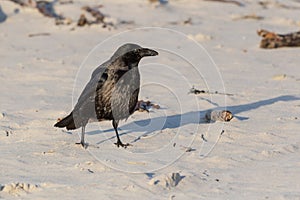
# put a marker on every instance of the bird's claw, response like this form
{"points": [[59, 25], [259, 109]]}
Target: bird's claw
{"points": [[83, 145], [119, 143]]}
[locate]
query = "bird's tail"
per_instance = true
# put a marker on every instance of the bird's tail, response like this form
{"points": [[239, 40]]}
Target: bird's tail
{"points": [[67, 122]]}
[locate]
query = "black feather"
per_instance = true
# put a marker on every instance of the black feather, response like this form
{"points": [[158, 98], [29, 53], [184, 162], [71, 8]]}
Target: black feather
{"points": [[67, 122]]}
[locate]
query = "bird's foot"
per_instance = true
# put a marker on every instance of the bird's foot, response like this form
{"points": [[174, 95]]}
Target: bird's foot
{"points": [[83, 145], [120, 144]]}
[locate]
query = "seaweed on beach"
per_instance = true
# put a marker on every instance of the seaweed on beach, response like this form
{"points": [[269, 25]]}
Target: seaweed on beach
{"points": [[268, 4], [193, 90], [142, 106], [272, 40], [46, 8], [99, 17]]}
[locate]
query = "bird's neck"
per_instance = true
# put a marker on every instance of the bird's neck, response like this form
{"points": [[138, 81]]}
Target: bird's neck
{"points": [[132, 65], [131, 61]]}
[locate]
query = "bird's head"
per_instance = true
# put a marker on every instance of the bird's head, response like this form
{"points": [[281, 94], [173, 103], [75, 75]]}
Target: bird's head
{"points": [[132, 58], [143, 52], [125, 48]]}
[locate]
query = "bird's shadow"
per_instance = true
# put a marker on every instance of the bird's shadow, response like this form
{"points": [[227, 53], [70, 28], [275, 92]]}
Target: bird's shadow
{"points": [[194, 117], [3, 16]]}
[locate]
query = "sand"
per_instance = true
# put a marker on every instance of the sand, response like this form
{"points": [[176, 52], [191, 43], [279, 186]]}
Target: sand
{"points": [[176, 154]]}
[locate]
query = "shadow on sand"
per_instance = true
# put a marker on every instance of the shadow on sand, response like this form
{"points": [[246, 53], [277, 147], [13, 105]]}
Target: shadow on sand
{"points": [[195, 117], [2, 15]]}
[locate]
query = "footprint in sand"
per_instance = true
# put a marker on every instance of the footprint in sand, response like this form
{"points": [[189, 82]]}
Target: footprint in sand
{"points": [[167, 180], [18, 189]]}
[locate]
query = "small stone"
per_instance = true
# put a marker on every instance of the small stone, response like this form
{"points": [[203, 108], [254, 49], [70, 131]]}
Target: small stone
{"points": [[218, 115]]}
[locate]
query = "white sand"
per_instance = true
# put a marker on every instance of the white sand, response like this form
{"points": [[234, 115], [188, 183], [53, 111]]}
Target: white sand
{"points": [[257, 157]]}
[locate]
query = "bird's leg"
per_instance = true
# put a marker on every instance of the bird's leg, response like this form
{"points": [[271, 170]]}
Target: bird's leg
{"points": [[82, 137], [115, 124]]}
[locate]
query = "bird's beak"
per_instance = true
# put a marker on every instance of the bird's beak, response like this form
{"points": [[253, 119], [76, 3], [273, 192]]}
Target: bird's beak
{"points": [[147, 52]]}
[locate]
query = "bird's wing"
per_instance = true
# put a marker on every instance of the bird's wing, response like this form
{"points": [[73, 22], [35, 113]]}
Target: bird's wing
{"points": [[99, 70], [86, 101]]}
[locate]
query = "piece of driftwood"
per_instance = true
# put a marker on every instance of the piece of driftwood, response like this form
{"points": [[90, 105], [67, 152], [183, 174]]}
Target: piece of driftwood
{"points": [[251, 16], [229, 1], [38, 34], [272, 40]]}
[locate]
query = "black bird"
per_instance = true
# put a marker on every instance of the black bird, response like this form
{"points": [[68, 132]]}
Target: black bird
{"points": [[112, 92]]}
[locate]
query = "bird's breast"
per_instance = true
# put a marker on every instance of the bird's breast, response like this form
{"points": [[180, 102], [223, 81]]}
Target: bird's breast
{"points": [[118, 96]]}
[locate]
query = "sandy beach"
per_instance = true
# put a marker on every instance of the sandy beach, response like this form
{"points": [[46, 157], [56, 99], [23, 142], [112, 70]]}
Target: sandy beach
{"points": [[175, 152]]}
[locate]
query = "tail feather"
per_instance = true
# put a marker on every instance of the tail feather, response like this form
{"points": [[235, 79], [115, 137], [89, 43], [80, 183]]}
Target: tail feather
{"points": [[67, 122]]}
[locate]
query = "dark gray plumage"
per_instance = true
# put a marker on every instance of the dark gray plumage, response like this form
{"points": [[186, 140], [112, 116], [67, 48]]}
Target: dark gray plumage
{"points": [[111, 93]]}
